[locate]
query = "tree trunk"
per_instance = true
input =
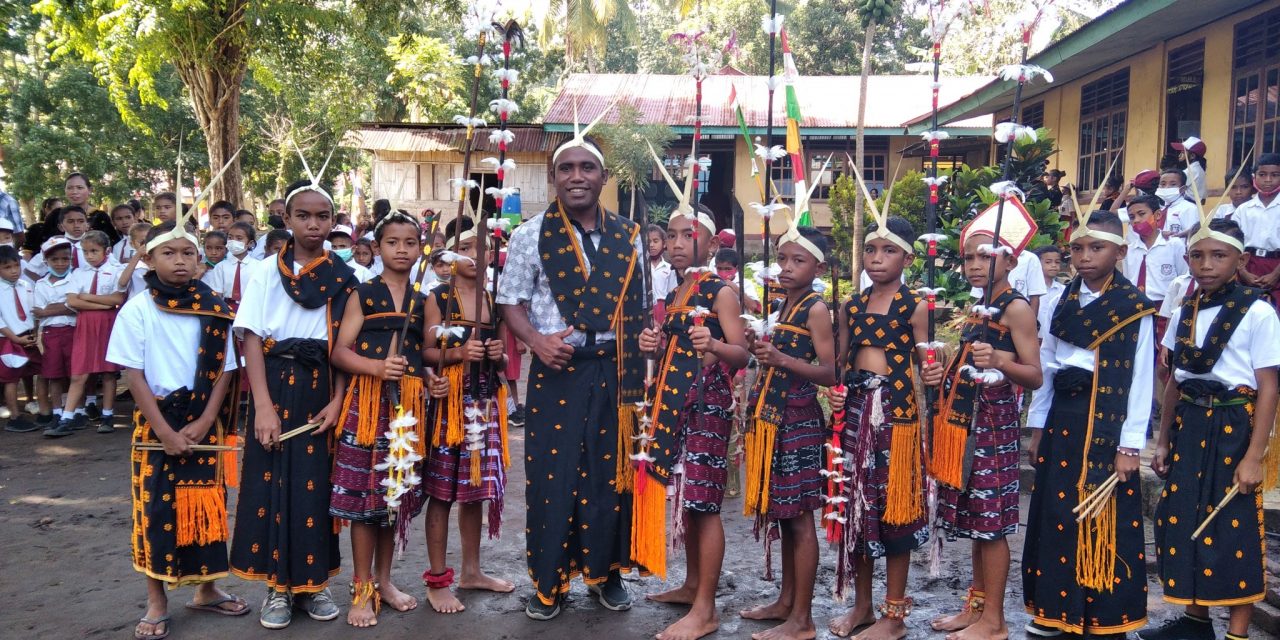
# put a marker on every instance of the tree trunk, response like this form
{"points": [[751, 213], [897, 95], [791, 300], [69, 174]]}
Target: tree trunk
{"points": [[858, 204], [213, 76]]}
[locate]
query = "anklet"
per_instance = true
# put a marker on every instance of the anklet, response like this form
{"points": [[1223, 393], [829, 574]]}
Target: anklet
{"points": [[976, 601], [896, 609], [363, 591], [440, 580]]}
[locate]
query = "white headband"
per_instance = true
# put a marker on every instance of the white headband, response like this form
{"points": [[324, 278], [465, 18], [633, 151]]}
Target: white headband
{"points": [[313, 177], [179, 231], [793, 235], [1205, 233], [1206, 215], [579, 139], [1084, 233], [701, 218], [452, 244], [882, 231]]}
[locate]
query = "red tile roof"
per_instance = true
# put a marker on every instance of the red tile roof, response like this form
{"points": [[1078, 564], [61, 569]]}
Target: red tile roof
{"points": [[826, 102]]}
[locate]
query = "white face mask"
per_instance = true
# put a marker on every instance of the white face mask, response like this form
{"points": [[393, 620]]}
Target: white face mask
{"points": [[235, 247], [1169, 194]]}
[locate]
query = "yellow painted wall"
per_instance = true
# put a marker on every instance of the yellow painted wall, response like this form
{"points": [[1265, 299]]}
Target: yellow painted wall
{"points": [[1144, 143]]}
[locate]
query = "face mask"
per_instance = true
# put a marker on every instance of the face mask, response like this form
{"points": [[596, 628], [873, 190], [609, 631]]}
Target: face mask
{"points": [[235, 247], [1168, 194], [1264, 192], [344, 254], [1143, 228], [73, 238], [63, 274], [727, 274], [6, 244]]}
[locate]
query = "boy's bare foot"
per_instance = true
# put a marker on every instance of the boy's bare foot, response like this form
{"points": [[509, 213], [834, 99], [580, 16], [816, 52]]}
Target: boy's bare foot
{"points": [[982, 629], [852, 620], [884, 629], [690, 627], [789, 630], [956, 622], [443, 601], [772, 611], [362, 615], [485, 582], [395, 598], [681, 595]]}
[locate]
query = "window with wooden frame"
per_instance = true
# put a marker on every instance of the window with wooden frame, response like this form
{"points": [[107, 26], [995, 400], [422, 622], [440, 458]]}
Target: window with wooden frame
{"points": [[1104, 112], [1033, 115], [1255, 112]]}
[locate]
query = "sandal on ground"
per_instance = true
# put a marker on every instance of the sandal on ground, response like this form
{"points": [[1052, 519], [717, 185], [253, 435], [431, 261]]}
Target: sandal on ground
{"points": [[155, 622], [215, 606]]}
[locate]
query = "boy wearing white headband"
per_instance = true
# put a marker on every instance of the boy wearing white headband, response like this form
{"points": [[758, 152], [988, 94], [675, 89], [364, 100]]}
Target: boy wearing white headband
{"points": [[699, 346], [1085, 520], [1215, 427]]}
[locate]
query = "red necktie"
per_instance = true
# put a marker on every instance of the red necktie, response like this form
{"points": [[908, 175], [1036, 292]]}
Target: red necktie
{"points": [[93, 286], [235, 287], [17, 302], [1142, 275], [122, 248], [75, 258]]}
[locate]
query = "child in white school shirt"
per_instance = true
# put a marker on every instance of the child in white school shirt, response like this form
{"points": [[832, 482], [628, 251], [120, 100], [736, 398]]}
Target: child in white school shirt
{"points": [[19, 357]]}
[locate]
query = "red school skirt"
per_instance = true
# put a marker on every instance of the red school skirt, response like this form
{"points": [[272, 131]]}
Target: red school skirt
{"points": [[11, 354], [93, 333]]}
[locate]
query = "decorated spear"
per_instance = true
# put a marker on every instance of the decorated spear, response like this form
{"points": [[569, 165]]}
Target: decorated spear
{"points": [[772, 24], [504, 108]]}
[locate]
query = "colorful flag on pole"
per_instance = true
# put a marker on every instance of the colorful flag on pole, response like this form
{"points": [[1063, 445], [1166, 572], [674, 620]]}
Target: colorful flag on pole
{"points": [[790, 75]]}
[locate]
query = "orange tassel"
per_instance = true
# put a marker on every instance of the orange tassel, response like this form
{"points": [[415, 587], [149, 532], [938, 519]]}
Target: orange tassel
{"points": [[369, 389], [905, 495], [449, 428], [1096, 549], [1271, 460], [201, 514], [230, 462], [624, 472], [502, 425], [413, 400], [649, 526], [758, 464], [947, 462]]}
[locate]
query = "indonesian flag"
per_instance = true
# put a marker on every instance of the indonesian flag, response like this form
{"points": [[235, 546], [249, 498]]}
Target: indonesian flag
{"points": [[790, 75], [742, 126]]}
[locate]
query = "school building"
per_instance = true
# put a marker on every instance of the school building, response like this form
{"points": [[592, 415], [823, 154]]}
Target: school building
{"points": [[1148, 73], [413, 163]]}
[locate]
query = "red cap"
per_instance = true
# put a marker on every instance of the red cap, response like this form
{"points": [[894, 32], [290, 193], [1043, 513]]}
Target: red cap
{"points": [[1146, 179], [1193, 144], [727, 238]]}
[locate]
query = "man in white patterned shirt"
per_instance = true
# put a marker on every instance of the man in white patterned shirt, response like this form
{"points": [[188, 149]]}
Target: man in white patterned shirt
{"points": [[571, 291]]}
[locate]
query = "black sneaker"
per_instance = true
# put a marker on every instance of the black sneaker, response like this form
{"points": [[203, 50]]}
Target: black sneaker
{"points": [[21, 425], [79, 421], [539, 611], [60, 430], [1181, 628], [516, 418], [613, 595], [92, 411], [106, 424], [1041, 631], [46, 421]]}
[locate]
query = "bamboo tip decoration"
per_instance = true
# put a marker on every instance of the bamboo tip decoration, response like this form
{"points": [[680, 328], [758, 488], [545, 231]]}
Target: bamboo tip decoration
{"points": [[299, 431]]}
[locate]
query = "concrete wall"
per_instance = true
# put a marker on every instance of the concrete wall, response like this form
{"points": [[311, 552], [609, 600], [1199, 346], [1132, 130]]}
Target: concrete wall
{"points": [[1145, 136], [427, 185]]}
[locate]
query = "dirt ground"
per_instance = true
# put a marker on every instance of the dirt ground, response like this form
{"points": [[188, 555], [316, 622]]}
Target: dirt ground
{"points": [[65, 569]]}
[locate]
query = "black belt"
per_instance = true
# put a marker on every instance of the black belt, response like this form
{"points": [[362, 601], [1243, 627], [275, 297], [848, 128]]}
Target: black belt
{"points": [[1263, 253]]}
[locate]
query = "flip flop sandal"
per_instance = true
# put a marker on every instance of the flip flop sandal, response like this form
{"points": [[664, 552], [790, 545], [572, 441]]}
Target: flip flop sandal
{"points": [[138, 635], [213, 606]]}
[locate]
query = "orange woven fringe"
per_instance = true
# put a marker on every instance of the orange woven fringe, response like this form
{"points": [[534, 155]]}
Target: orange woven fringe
{"points": [[649, 526], [502, 425], [947, 461], [758, 461], [624, 471], [413, 400], [370, 390], [229, 462], [201, 514], [1096, 549], [905, 496], [452, 432]]}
